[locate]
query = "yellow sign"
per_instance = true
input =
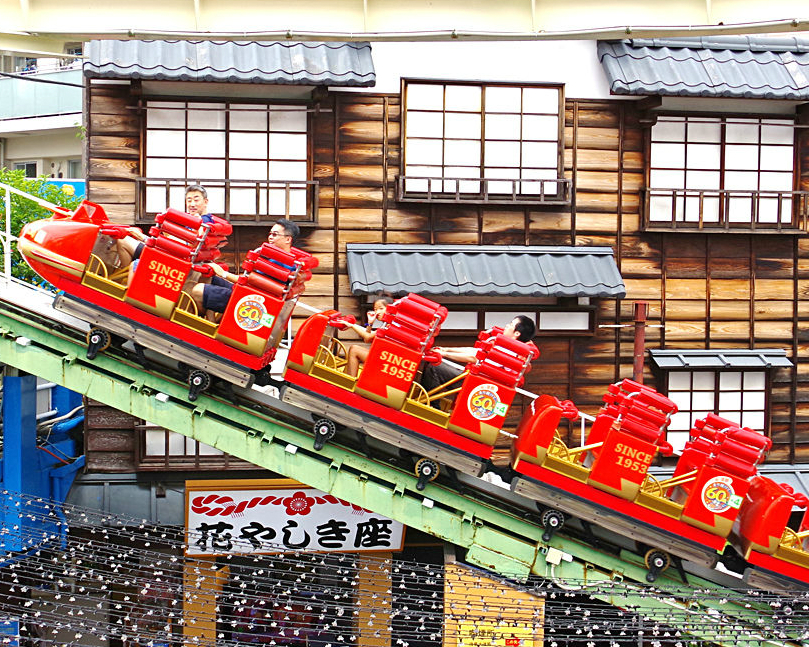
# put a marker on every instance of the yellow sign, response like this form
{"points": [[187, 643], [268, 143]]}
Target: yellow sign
{"points": [[483, 612], [486, 634]]}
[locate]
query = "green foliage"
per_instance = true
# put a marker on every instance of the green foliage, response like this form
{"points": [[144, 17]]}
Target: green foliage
{"points": [[24, 211]]}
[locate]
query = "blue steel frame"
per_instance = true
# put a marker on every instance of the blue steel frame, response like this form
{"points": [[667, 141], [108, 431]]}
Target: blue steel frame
{"points": [[33, 480]]}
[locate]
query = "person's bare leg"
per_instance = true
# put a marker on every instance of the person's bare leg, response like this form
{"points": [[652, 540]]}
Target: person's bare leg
{"points": [[356, 355], [196, 295], [126, 250]]}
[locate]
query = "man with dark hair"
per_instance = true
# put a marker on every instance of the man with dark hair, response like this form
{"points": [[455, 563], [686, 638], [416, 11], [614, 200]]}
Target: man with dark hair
{"points": [[521, 327], [214, 296], [130, 247], [284, 229], [196, 200]]}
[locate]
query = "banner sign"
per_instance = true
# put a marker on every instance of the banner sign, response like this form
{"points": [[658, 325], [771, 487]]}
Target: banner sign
{"points": [[238, 517]]}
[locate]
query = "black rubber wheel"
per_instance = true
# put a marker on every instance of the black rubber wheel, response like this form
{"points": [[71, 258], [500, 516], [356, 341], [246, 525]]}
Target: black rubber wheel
{"points": [[198, 381], [656, 561], [324, 430], [552, 520], [97, 340], [427, 470]]}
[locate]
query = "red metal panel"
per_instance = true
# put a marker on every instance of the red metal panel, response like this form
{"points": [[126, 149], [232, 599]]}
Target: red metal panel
{"points": [[480, 408], [171, 329], [632, 510], [389, 372], [536, 429], [622, 464], [714, 500], [157, 276], [251, 318]]}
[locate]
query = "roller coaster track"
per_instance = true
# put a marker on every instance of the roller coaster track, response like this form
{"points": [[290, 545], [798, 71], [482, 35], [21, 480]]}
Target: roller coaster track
{"points": [[504, 540]]}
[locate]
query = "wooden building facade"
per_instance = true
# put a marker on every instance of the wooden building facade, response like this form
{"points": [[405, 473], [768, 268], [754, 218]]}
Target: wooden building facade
{"points": [[717, 286]]}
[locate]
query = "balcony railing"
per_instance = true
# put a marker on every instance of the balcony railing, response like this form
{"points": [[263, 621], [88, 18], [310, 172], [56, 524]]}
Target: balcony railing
{"points": [[239, 201], [725, 211], [410, 188], [22, 99]]}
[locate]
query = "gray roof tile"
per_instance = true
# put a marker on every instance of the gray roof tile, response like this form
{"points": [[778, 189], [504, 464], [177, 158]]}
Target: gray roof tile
{"points": [[332, 63], [749, 67], [484, 270], [720, 359]]}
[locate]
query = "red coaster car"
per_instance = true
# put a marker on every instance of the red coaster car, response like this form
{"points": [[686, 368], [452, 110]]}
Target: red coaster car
{"points": [[152, 305], [456, 424]]}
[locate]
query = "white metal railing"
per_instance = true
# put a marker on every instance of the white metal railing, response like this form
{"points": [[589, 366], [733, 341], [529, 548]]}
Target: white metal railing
{"points": [[7, 239]]}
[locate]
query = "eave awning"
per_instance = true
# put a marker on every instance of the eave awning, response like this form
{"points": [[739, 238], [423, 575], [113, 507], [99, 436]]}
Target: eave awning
{"points": [[744, 67], [282, 63], [484, 271], [759, 358]]}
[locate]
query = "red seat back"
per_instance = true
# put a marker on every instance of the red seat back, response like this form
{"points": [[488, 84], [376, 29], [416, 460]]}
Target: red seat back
{"points": [[412, 321], [188, 236], [502, 359]]}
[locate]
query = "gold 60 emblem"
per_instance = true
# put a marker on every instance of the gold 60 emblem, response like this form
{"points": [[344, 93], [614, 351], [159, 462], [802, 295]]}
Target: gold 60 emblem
{"points": [[483, 402]]}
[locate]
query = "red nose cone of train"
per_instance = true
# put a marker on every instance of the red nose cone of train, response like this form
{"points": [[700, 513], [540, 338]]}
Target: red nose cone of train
{"points": [[59, 247]]}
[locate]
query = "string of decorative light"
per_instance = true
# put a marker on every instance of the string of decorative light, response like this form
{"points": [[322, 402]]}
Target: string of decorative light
{"points": [[117, 577]]}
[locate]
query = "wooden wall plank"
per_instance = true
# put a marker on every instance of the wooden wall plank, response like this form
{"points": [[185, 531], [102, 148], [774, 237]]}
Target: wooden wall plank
{"points": [[123, 124], [113, 168], [114, 146], [117, 192]]}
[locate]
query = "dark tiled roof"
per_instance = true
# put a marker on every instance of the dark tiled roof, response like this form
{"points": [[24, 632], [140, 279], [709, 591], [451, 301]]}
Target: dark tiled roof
{"points": [[750, 67], [486, 270], [720, 359], [330, 63]]}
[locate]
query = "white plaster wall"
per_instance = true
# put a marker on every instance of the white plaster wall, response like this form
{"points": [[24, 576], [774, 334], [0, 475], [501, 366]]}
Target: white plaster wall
{"points": [[52, 145], [573, 63]]}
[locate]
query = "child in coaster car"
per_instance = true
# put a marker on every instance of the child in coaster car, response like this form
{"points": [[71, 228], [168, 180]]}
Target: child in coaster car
{"points": [[358, 354]]}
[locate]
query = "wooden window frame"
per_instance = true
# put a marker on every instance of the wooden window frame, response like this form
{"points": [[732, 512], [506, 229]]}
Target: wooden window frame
{"points": [[590, 310], [543, 191], [180, 462], [534, 311], [684, 199], [717, 390], [227, 184]]}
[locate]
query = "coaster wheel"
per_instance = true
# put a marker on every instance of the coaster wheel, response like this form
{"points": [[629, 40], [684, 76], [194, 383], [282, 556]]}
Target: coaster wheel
{"points": [[198, 381], [324, 430], [552, 520], [97, 340], [656, 561], [427, 470]]}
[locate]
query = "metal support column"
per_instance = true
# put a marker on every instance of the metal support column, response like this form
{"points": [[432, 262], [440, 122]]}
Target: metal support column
{"points": [[19, 454]]}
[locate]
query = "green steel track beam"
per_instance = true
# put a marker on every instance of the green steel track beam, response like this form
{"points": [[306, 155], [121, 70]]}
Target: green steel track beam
{"points": [[493, 538], [719, 615]]}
